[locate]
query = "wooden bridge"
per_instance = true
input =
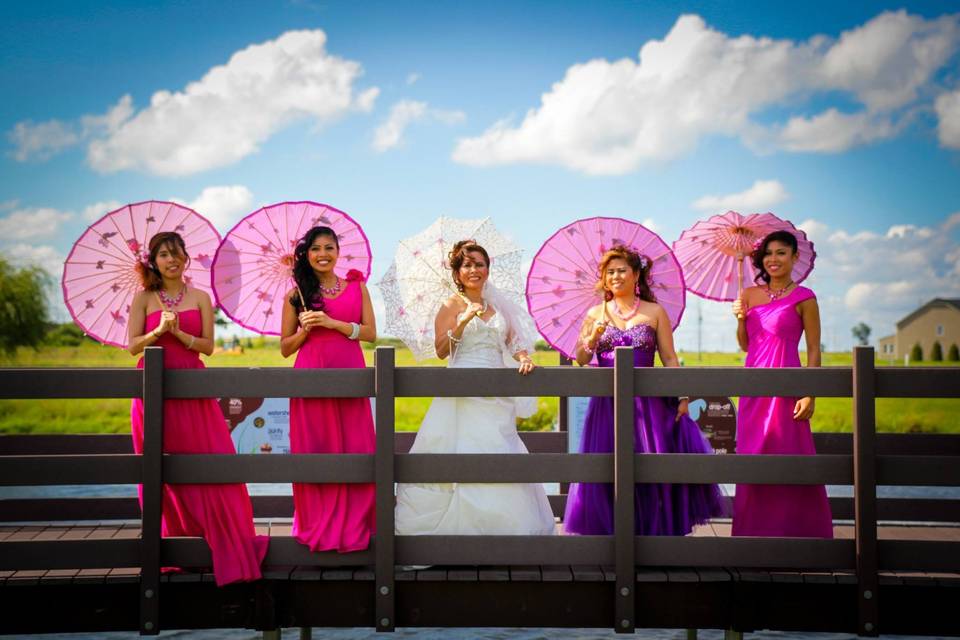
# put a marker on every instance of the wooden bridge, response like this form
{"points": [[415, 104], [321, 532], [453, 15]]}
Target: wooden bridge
{"points": [[93, 564]]}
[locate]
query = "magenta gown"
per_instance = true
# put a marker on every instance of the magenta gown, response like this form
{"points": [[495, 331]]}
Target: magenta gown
{"points": [[766, 425], [659, 509], [220, 513], [333, 516]]}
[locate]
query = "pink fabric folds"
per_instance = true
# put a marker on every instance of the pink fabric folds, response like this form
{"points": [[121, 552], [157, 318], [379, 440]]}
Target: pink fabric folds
{"points": [[220, 513], [766, 425], [333, 516]]}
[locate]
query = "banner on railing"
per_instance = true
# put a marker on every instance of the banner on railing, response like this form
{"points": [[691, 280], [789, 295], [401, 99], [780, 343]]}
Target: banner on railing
{"points": [[715, 415], [258, 425]]}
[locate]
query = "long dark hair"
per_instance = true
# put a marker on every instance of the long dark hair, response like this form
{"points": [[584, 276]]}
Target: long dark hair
{"points": [[784, 237], [149, 274], [458, 255], [640, 265], [303, 273]]}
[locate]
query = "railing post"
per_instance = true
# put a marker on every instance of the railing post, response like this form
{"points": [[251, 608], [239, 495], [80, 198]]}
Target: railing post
{"points": [[563, 423], [865, 489], [152, 491], [383, 473], [624, 489]]}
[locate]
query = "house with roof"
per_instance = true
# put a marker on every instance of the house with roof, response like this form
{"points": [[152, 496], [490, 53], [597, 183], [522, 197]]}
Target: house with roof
{"points": [[936, 321]]}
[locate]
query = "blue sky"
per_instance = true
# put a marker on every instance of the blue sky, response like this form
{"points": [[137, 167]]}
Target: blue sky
{"points": [[842, 117]]}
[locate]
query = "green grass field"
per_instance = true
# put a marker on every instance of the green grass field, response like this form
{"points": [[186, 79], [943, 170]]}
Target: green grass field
{"points": [[113, 415]]}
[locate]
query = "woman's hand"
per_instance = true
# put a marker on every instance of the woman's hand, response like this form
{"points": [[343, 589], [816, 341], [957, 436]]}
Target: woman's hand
{"points": [[168, 322], [305, 318], [803, 410], [526, 365], [323, 320], [599, 327], [739, 308], [683, 409], [473, 309]]}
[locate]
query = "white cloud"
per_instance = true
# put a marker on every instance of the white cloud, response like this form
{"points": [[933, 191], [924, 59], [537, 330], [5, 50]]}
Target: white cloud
{"points": [[95, 211], [761, 196], [947, 107], [833, 131], [217, 120], [412, 78], [611, 117], [814, 229], [222, 205], [390, 132], [46, 257], [37, 222], [42, 140]]}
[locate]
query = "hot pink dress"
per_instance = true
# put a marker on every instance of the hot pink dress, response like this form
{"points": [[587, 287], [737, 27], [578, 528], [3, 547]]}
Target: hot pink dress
{"points": [[220, 513], [333, 516], [766, 425]]}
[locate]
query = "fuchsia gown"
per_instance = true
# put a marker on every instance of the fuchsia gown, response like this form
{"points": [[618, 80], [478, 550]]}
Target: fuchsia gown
{"points": [[766, 425], [220, 513], [333, 516]]}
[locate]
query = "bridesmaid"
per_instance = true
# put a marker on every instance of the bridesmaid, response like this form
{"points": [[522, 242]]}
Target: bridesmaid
{"points": [[324, 328], [771, 318], [179, 319], [630, 316]]}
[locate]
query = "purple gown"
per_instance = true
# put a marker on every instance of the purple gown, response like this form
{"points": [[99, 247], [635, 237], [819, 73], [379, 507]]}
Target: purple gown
{"points": [[660, 509], [766, 425]]}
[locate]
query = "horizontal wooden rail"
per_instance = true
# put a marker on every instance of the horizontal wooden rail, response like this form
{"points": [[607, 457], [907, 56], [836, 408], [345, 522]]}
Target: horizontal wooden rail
{"points": [[308, 467], [69, 554], [71, 383], [56, 470]]}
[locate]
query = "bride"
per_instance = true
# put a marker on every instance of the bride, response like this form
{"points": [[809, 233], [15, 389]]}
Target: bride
{"points": [[479, 327]]}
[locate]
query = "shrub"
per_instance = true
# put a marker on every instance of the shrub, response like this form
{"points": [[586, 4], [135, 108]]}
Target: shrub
{"points": [[64, 335], [916, 354], [936, 354], [249, 343], [219, 342], [953, 355]]}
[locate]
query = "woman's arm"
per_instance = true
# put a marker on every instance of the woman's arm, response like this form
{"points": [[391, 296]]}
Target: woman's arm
{"points": [[137, 341], [590, 332], [368, 324], [292, 336], [740, 312], [447, 329], [810, 315]]}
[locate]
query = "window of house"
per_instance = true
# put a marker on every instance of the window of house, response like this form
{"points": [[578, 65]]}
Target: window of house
{"points": [[939, 329]]}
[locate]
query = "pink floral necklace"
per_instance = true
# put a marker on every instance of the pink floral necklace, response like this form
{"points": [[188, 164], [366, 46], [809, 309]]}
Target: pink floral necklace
{"points": [[630, 314], [169, 301], [331, 291]]}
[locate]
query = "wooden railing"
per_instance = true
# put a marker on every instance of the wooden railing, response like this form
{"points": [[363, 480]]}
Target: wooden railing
{"points": [[868, 461]]}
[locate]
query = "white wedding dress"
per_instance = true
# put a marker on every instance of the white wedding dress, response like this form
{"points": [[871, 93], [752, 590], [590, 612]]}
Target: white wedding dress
{"points": [[473, 425]]}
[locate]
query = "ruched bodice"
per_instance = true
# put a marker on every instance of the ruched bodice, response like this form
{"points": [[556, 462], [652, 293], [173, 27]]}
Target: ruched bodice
{"points": [[642, 337], [481, 344], [774, 331], [175, 353]]}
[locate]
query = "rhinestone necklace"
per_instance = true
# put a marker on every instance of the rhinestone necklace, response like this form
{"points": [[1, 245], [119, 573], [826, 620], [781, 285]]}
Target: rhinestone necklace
{"points": [[169, 301], [776, 295], [331, 291]]}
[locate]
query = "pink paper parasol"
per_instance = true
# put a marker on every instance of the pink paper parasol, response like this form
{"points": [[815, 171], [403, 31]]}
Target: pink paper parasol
{"points": [[100, 277], [253, 268], [562, 278], [715, 253]]}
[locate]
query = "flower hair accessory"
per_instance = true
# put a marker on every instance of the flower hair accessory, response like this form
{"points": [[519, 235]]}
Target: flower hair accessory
{"points": [[757, 244], [644, 262]]}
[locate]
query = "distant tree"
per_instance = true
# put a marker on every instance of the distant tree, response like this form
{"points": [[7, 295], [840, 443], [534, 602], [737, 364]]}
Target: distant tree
{"points": [[218, 342], [936, 353], [64, 335], [23, 306], [260, 342], [218, 318], [862, 333], [954, 354], [916, 354], [249, 344]]}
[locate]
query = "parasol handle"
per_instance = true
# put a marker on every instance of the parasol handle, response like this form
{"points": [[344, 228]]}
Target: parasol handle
{"points": [[740, 282], [300, 294]]}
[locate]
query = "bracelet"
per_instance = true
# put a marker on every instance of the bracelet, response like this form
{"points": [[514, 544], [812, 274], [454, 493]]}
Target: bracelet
{"points": [[586, 347], [452, 339], [354, 331], [190, 344], [155, 335], [682, 398]]}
